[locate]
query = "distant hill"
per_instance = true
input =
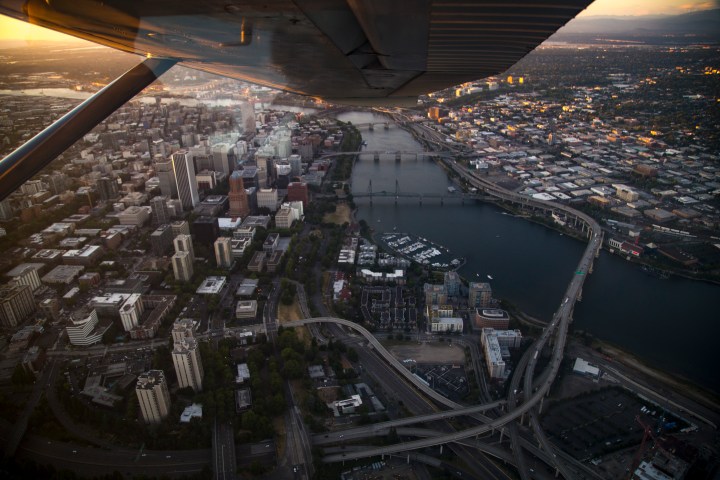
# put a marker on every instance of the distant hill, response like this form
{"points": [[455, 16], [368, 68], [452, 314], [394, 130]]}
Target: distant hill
{"points": [[702, 26]]}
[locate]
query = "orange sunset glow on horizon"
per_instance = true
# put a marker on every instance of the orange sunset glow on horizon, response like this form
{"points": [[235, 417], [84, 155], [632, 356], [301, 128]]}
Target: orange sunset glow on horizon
{"points": [[17, 31]]}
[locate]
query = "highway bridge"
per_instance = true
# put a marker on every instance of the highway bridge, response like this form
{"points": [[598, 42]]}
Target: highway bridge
{"points": [[558, 326], [397, 155]]}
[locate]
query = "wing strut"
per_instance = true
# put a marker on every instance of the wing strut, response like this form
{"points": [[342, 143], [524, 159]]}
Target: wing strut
{"points": [[36, 153]]}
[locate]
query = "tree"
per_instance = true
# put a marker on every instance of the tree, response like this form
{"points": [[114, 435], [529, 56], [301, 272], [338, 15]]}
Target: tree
{"points": [[292, 369], [21, 376]]}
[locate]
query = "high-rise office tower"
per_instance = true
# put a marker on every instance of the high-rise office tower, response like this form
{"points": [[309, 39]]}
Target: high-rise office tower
{"points": [[182, 266], [237, 196], [268, 198], [160, 211], [16, 304], [183, 243], [177, 179], [295, 165], [223, 252], [221, 154], [283, 172], [298, 192], [186, 181], [188, 365], [166, 174], [153, 396], [107, 188]]}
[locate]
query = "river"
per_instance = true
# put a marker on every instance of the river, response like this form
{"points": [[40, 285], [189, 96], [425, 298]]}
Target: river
{"points": [[667, 323]]}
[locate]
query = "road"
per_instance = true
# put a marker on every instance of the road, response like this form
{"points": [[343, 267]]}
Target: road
{"points": [[44, 381], [223, 442]]}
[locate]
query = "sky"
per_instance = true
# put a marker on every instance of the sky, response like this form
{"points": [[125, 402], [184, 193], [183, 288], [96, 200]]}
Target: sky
{"points": [[11, 29]]}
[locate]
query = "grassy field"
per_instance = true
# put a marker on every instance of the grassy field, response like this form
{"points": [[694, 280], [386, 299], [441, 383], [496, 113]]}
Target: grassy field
{"points": [[339, 216], [289, 313]]}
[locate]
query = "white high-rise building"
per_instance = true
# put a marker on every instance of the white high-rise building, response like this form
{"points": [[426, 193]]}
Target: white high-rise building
{"points": [[267, 198], [131, 311], [188, 365], [183, 243], [182, 266], [182, 328], [153, 396], [223, 252], [83, 329]]}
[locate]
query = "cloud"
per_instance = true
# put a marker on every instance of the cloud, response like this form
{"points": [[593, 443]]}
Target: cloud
{"points": [[695, 6]]}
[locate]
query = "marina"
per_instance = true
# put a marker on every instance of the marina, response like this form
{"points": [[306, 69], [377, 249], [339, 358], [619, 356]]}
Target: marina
{"points": [[420, 250]]}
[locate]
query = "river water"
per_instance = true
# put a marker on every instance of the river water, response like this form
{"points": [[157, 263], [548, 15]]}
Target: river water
{"points": [[667, 323]]}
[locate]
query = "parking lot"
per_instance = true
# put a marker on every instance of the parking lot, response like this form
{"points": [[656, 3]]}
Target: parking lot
{"points": [[603, 421]]}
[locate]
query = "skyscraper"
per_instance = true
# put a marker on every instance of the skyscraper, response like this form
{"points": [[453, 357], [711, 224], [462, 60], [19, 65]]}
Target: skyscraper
{"points": [[186, 181], [107, 188], [223, 252], [220, 154], [16, 304], [182, 266], [131, 311], [188, 365], [153, 396], [182, 328], [161, 214], [166, 174], [183, 243], [295, 165], [177, 179], [237, 196]]}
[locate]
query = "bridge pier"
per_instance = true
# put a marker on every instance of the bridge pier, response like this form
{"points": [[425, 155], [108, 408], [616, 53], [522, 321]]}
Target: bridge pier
{"points": [[387, 126], [420, 200], [371, 127], [442, 200], [398, 157], [376, 157]]}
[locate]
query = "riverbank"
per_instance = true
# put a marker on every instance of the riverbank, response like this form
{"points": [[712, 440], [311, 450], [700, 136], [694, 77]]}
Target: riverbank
{"points": [[674, 382]]}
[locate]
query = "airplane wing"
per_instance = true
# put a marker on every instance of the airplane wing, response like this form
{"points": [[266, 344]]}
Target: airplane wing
{"points": [[380, 52], [372, 52]]}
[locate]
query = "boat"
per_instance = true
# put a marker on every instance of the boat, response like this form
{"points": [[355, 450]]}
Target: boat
{"points": [[451, 190], [490, 277]]}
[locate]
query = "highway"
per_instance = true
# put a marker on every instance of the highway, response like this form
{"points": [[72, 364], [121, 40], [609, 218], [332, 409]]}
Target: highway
{"points": [[223, 442], [373, 429], [387, 356]]}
